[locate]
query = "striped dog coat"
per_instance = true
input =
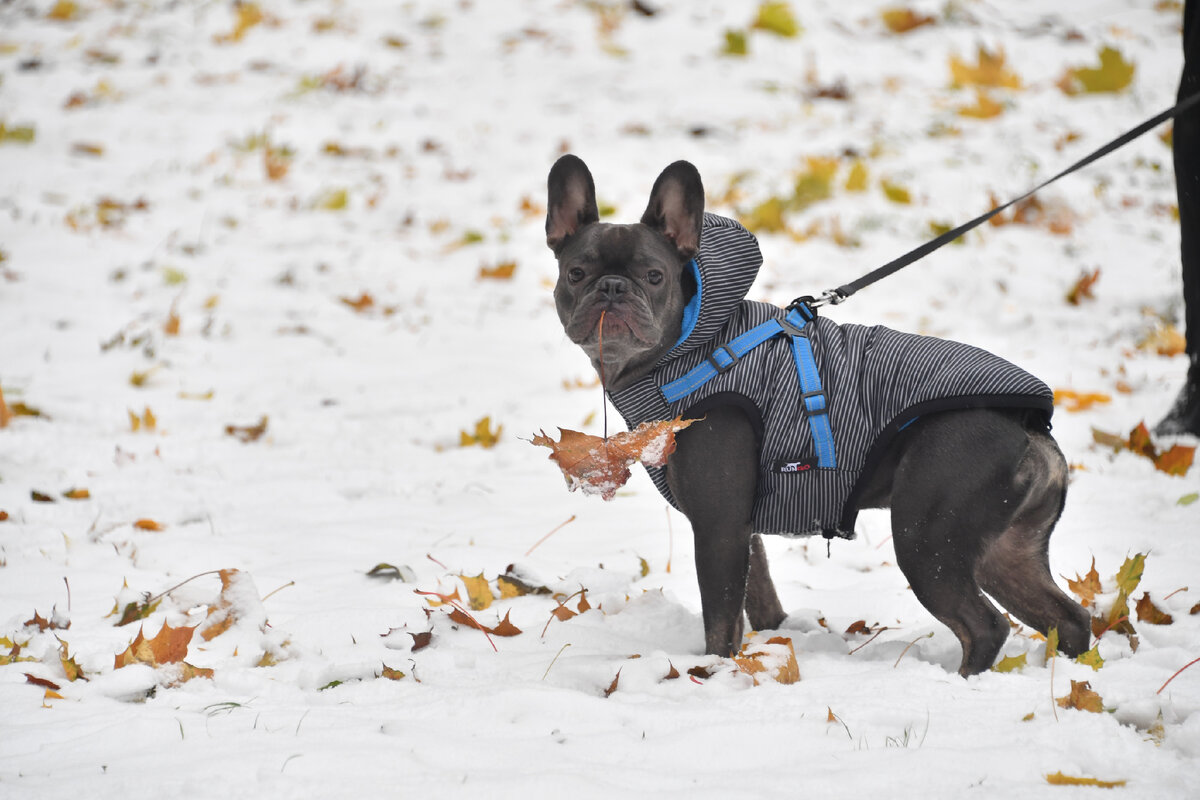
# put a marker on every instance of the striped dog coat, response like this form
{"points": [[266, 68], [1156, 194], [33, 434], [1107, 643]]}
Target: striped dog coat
{"points": [[825, 399]]}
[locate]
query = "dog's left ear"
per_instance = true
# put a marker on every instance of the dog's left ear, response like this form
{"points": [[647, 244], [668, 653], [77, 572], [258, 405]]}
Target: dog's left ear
{"points": [[676, 207]]}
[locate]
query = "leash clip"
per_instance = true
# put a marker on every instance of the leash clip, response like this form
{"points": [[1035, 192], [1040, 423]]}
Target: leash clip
{"points": [[829, 297]]}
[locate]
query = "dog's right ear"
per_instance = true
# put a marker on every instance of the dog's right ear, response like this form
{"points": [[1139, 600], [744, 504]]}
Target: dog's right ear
{"points": [[571, 203]]}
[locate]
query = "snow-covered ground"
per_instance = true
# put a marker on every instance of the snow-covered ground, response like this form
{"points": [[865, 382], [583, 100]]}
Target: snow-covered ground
{"points": [[152, 263]]}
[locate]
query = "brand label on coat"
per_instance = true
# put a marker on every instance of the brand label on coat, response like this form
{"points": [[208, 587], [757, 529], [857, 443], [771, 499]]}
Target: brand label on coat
{"points": [[783, 465]]}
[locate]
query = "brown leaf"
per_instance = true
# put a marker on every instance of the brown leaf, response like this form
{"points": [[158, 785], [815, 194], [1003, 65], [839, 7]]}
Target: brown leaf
{"points": [[601, 466], [504, 628], [672, 673], [45, 684], [1082, 289], [5, 415], [248, 433], [1177, 460], [421, 640], [1150, 613], [223, 613], [73, 670], [1086, 587], [858, 626], [391, 674], [1082, 698], [40, 497], [612, 687]]}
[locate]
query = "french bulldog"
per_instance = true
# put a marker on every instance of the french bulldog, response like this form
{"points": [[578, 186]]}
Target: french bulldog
{"points": [[974, 493]]}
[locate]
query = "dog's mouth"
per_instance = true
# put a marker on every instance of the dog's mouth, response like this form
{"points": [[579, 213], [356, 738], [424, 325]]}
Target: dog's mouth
{"points": [[621, 322]]}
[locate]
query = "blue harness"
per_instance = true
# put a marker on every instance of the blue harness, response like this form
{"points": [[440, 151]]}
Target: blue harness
{"points": [[793, 324]]}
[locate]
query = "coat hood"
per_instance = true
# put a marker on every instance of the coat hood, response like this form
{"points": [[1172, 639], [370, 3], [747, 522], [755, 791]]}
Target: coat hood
{"points": [[723, 270]]}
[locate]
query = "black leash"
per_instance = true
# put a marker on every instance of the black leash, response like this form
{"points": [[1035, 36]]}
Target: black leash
{"points": [[835, 296]]}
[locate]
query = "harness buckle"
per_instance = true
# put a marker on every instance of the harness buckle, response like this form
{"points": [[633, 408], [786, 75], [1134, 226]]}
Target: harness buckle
{"points": [[811, 409], [733, 359]]}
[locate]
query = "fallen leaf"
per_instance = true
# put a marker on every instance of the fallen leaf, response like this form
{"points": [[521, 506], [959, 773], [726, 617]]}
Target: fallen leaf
{"points": [[989, 70], [5, 415], [1074, 402], [612, 687], [1059, 779], [776, 659], [149, 525], [735, 43], [601, 466], [1086, 587], [858, 626], [984, 107], [903, 20], [77, 494], [1011, 663], [503, 628], [391, 674], [73, 671], [248, 15], [895, 192], [1112, 74], [1130, 573], [248, 433], [856, 181], [502, 271], [1091, 658], [1082, 698], [1150, 613], [479, 593], [364, 302], [45, 684], [778, 19], [421, 640], [1177, 460], [169, 646], [40, 497], [64, 11], [1082, 289], [1165, 340], [483, 435]]}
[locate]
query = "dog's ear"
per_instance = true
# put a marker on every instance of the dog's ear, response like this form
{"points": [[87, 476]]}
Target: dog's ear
{"points": [[676, 207], [571, 200]]}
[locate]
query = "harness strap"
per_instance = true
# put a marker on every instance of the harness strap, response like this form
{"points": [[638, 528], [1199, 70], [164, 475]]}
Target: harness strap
{"points": [[793, 324]]}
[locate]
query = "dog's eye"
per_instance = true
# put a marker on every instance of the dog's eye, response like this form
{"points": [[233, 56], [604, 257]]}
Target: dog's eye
{"points": [[654, 277], [575, 275]]}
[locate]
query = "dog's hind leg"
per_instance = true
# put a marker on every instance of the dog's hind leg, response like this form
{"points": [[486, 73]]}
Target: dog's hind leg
{"points": [[949, 501], [1014, 567]]}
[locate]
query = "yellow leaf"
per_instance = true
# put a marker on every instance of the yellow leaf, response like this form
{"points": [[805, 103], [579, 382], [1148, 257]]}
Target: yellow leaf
{"points": [[735, 43], [1091, 658], [1113, 74], [502, 271], [984, 107], [778, 19], [1086, 587], [63, 11], [149, 525], [775, 660], [990, 70], [479, 593], [1074, 401], [1130, 573], [333, 200], [896, 193], [766, 217], [1010, 663], [248, 15], [77, 494], [815, 183], [856, 181], [391, 674], [483, 436], [1059, 779], [903, 20]]}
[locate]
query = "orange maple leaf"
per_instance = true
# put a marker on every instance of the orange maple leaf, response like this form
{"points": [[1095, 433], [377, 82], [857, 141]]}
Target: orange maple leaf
{"points": [[169, 646], [601, 466], [1082, 697], [1086, 587]]}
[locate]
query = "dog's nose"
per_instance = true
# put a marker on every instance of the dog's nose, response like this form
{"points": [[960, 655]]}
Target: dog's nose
{"points": [[612, 286]]}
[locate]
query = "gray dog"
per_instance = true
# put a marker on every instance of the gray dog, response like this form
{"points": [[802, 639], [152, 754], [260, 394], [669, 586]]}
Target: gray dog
{"points": [[802, 422]]}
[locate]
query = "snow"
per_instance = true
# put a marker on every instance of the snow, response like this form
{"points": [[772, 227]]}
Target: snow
{"points": [[445, 137]]}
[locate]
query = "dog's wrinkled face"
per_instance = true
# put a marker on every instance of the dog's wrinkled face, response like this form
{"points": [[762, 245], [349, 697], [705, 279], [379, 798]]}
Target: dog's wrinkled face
{"points": [[632, 274]]}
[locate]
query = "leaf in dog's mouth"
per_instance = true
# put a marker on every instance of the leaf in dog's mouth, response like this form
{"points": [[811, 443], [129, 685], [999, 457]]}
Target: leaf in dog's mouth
{"points": [[600, 466]]}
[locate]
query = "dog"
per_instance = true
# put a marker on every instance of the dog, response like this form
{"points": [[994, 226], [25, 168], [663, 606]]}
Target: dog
{"points": [[974, 481]]}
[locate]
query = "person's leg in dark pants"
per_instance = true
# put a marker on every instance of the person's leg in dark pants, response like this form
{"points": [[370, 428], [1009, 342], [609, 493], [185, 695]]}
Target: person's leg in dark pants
{"points": [[1184, 416]]}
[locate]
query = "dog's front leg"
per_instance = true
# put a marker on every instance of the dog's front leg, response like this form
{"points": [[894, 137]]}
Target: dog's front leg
{"points": [[713, 475]]}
